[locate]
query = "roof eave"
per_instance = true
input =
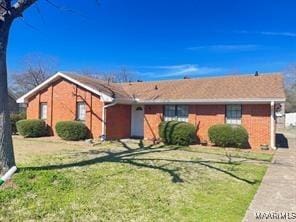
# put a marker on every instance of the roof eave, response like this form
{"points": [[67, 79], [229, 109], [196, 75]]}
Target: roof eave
{"points": [[214, 101]]}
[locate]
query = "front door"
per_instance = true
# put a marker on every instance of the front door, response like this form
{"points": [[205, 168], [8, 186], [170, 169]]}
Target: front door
{"points": [[137, 121]]}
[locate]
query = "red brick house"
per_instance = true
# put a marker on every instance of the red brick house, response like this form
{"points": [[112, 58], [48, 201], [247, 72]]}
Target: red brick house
{"points": [[135, 109]]}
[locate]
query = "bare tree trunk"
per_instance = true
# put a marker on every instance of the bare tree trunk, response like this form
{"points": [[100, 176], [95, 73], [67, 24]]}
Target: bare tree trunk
{"points": [[6, 148]]}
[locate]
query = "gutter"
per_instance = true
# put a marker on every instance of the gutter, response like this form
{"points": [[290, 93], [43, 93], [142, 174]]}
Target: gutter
{"points": [[272, 126], [103, 136], [212, 101]]}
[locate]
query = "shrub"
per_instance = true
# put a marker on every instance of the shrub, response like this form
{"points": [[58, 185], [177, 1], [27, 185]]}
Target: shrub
{"points": [[32, 128], [71, 130], [177, 133], [226, 135], [15, 117]]}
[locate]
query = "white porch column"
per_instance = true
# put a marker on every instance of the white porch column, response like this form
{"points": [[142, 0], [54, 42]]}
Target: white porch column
{"points": [[272, 126], [103, 133]]}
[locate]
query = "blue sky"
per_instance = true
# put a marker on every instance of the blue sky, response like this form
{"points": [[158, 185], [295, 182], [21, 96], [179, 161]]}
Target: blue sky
{"points": [[159, 39]]}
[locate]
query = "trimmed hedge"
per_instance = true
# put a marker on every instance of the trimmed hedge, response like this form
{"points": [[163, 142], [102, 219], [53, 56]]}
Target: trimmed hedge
{"points": [[177, 133], [14, 118], [226, 135], [31, 128], [71, 130]]}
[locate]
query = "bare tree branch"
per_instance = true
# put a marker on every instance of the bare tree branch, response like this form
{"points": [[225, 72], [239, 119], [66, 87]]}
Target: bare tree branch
{"points": [[3, 7], [39, 12], [6, 4], [20, 6], [119, 76], [29, 25], [37, 68], [65, 9]]}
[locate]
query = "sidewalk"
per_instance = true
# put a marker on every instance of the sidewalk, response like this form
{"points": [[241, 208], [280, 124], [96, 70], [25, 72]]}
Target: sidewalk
{"points": [[277, 192]]}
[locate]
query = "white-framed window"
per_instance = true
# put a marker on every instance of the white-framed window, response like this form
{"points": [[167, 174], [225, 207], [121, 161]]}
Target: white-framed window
{"points": [[234, 114], [169, 113], [176, 112], [80, 111], [43, 111]]}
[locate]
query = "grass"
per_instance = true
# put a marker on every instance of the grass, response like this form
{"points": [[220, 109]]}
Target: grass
{"points": [[127, 181]]}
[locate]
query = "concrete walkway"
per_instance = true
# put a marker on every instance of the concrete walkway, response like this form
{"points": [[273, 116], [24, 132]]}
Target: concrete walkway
{"points": [[276, 196]]}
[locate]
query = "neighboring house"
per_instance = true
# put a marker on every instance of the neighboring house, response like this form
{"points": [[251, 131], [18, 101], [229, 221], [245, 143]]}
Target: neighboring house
{"points": [[12, 104], [135, 109], [290, 119]]}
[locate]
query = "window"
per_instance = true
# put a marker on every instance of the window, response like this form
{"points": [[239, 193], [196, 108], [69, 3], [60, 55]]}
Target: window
{"points": [[233, 114], [176, 112], [43, 111], [182, 113], [169, 113], [80, 111]]}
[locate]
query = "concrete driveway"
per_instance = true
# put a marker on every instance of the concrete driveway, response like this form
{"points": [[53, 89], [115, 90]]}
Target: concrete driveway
{"points": [[275, 199]]}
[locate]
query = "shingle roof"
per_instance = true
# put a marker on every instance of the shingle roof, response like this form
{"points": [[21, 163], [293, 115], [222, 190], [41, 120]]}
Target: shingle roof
{"points": [[264, 86], [111, 89]]}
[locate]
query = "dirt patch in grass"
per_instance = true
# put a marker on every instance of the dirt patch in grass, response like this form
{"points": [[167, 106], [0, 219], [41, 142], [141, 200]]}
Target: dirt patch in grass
{"points": [[26, 149]]}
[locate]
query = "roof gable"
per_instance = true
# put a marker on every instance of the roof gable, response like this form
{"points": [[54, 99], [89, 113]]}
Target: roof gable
{"points": [[59, 75]]}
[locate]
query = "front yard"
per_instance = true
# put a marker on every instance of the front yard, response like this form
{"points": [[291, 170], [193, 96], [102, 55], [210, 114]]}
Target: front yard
{"points": [[129, 181]]}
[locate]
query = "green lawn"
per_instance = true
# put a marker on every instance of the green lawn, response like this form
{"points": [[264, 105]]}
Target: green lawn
{"points": [[130, 182]]}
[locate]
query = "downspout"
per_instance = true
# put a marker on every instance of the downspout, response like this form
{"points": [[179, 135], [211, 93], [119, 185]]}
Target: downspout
{"points": [[103, 136], [7, 175], [272, 126]]}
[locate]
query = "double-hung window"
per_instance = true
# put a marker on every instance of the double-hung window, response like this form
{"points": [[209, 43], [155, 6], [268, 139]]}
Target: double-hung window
{"points": [[80, 111], [176, 112], [43, 111], [233, 114]]}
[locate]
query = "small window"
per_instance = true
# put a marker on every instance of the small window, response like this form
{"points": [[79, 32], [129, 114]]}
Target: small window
{"points": [[80, 111], [169, 113], [233, 114], [182, 113], [43, 111], [176, 112]]}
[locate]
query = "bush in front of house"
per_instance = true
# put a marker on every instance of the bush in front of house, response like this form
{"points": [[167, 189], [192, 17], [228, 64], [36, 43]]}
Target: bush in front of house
{"points": [[32, 128], [14, 118], [177, 133], [226, 135], [71, 130]]}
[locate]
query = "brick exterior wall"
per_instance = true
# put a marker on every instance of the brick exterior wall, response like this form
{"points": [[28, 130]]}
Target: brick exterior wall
{"points": [[153, 116], [118, 124], [255, 118], [204, 116], [61, 98]]}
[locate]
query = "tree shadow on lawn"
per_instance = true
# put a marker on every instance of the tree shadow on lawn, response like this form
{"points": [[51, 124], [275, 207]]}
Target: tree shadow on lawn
{"points": [[129, 156], [234, 155]]}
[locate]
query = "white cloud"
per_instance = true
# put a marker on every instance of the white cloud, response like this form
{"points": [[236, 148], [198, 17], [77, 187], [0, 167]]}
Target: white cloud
{"points": [[287, 34], [226, 47], [174, 71], [267, 33]]}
